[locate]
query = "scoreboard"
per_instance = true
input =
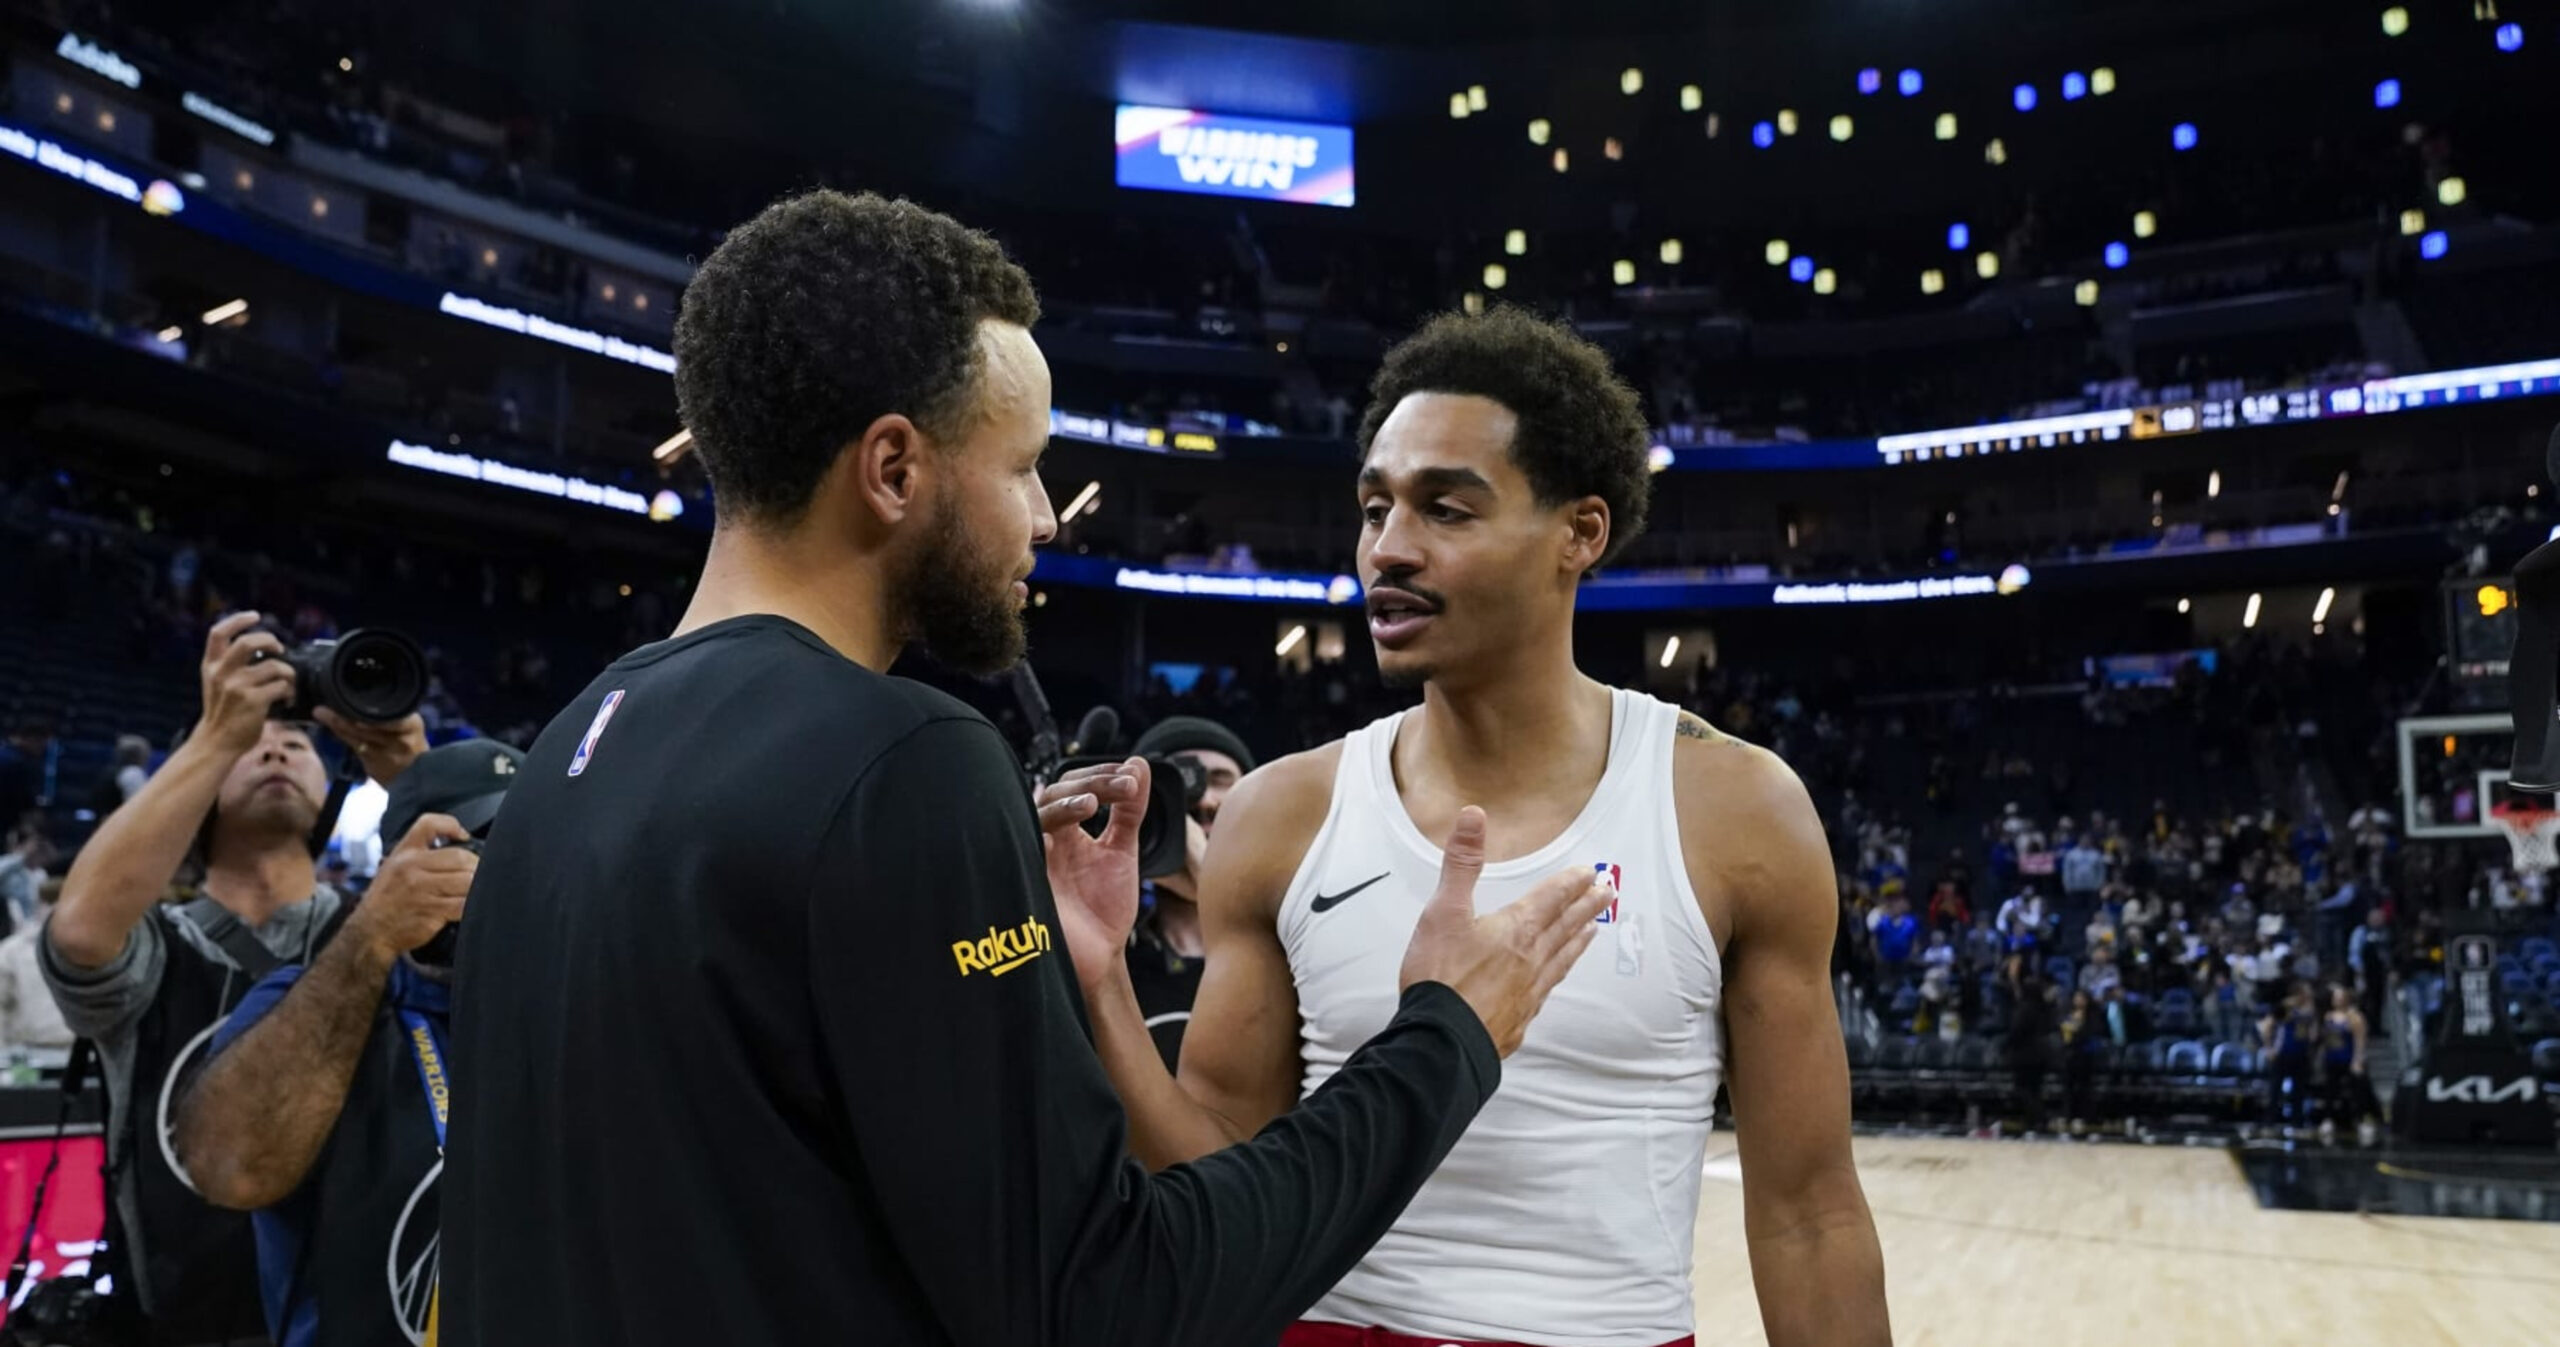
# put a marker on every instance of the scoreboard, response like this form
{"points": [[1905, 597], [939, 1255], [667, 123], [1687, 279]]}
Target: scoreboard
{"points": [[2480, 627]]}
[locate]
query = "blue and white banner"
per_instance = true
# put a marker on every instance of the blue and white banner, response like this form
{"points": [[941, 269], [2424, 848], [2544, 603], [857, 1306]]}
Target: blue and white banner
{"points": [[1183, 150]]}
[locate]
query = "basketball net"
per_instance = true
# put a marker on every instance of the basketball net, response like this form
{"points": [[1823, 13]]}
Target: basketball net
{"points": [[2532, 833]]}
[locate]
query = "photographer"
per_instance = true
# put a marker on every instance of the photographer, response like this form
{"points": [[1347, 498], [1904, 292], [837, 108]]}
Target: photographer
{"points": [[244, 796], [324, 1104], [1166, 945]]}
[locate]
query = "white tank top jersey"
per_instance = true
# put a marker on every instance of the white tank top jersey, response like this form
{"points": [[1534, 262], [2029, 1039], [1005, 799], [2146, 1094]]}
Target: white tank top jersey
{"points": [[1566, 1214]]}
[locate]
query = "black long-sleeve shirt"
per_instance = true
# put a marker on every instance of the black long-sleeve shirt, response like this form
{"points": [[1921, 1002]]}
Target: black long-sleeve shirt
{"points": [[764, 1033]]}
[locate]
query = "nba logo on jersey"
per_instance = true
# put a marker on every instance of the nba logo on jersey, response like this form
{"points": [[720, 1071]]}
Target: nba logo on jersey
{"points": [[595, 731], [1605, 873]]}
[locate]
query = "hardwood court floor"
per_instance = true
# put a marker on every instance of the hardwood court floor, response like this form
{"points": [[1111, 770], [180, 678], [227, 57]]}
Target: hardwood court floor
{"points": [[2049, 1244]]}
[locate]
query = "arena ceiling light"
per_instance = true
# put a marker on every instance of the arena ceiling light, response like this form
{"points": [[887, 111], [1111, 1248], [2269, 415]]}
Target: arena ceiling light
{"points": [[2183, 137], [2102, 81], [170, 334], [1800, 270], [1714, 125], [1909, 83], [2213, 484], [1786, 121], [1458, 108], [2387, 94], [1996, 153], [1842, 127], [1692, 98], [2117, 256], [1670, 650], [224, 313], [1476, 100], [1560, 160], [1946, 126], [1775, 253], [2023, 98], [1826, 281], [2145, 224], [1495, 276], [2185, 604], [2510, 37], [1622, 272], [2320, 610], [2075, 86], [673, 447], [1516, 242], [1764, 134], [1090, 496], [2249, 616], [1473, 303], [2085, 294], [1959, 237], [2452, 192], [1539, 130], [2434, 244], [2395, 21], [1290, 642], [2412, 222], [1932, 281], [1671, 252], [1986, 264], [1870, 80], [1631, 81], [1611, 150]]}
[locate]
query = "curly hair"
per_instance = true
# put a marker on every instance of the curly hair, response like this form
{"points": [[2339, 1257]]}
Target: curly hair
{"points": [[1581, 429], [821, 315]]}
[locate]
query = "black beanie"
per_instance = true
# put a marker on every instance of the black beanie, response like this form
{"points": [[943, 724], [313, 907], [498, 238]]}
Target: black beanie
{"points": [[1190, 734]]}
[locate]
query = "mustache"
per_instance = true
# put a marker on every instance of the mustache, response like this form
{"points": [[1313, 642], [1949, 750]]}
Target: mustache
{"points": [[1397, 582]]}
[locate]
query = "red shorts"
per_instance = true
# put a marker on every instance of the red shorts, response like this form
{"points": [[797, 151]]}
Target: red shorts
{"points": [[1344, 1335]]}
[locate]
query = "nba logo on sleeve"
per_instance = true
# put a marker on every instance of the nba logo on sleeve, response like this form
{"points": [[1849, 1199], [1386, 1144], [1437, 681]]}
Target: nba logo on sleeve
{"points": [[595, 731], [1605, 873]]}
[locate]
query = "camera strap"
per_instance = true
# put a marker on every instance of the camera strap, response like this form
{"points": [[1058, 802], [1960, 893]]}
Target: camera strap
{"points": [[426, 1048]]}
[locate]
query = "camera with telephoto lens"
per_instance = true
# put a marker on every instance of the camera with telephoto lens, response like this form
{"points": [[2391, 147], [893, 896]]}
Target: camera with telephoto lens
{"points": [[1173, 793], [370, 674]]}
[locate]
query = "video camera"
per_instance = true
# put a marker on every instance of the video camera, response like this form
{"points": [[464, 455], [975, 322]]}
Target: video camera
{"points": [[371, 674], [1172, 796]]}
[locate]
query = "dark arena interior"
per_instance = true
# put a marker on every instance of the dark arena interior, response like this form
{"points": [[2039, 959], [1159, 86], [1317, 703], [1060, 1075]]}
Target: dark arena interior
{"points": [[2034, 500]]}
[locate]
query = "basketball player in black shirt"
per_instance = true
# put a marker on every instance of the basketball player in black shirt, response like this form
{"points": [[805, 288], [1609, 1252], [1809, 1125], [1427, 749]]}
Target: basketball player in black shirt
{"points": [[765, 1026]]}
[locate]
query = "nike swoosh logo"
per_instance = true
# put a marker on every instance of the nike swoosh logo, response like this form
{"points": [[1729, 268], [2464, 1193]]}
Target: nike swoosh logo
{"points": [[1326, 902]]}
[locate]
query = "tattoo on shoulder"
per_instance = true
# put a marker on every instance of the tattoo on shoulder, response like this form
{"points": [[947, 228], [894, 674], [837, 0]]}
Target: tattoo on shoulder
{"points": [[1694, 726]]}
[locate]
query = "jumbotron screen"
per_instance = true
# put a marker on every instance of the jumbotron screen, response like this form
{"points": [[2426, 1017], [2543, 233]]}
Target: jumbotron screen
{"points": [[1185, 150]]}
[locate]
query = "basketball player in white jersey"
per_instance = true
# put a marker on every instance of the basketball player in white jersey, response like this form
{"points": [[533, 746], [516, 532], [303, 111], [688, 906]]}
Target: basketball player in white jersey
{"points": [[1502, 461]]}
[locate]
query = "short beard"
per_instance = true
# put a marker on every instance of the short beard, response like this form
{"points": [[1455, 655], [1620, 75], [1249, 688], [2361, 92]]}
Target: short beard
{"points": [[959, 600], [1406, 679]]}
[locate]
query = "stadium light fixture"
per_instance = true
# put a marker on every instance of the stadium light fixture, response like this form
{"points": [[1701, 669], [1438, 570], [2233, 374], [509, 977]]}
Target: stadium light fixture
{"points": [[1473, 303], [1476, 100], [2145, 224], [1946, 126], [2387, 94], [1932, 281], [2213, 484], [2338, 488], [1996, 153], [2412, 222], [1631, 81], [1458, 108], [1775, 253], [2395, 21], [2023, 98], [2075, 86], [1495, 276], [1539, 130], [1825, 281], [1842, 127], [2118, 256], [1763, 134], [1516, 242], [1670, 650], [171, 333], [2452, 192], [2102, 81], [2433, 244], [1986, 264], [1623, 271], [2182, 137], [1290, 642], [1671, 252], [672, 447], [2510, 37], [1714, 125], [2085, 294], [1909, 83], [2250, 617], [1560, 159], [2185, 604], [224, 313], [1786, 121], [1692, 98], [1959, 237], [1800, 270], [1091, 495], [1611, 150], [346, 65], [2320, 610], [1870, 80]]}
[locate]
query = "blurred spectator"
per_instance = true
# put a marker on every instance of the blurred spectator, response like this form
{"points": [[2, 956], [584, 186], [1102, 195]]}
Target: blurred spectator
{"points": [[28, 1017], [22, 874]]}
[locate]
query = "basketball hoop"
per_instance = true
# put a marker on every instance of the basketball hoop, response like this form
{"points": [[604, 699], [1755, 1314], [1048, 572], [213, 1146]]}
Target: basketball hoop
{"points": [[2532, 833]]}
